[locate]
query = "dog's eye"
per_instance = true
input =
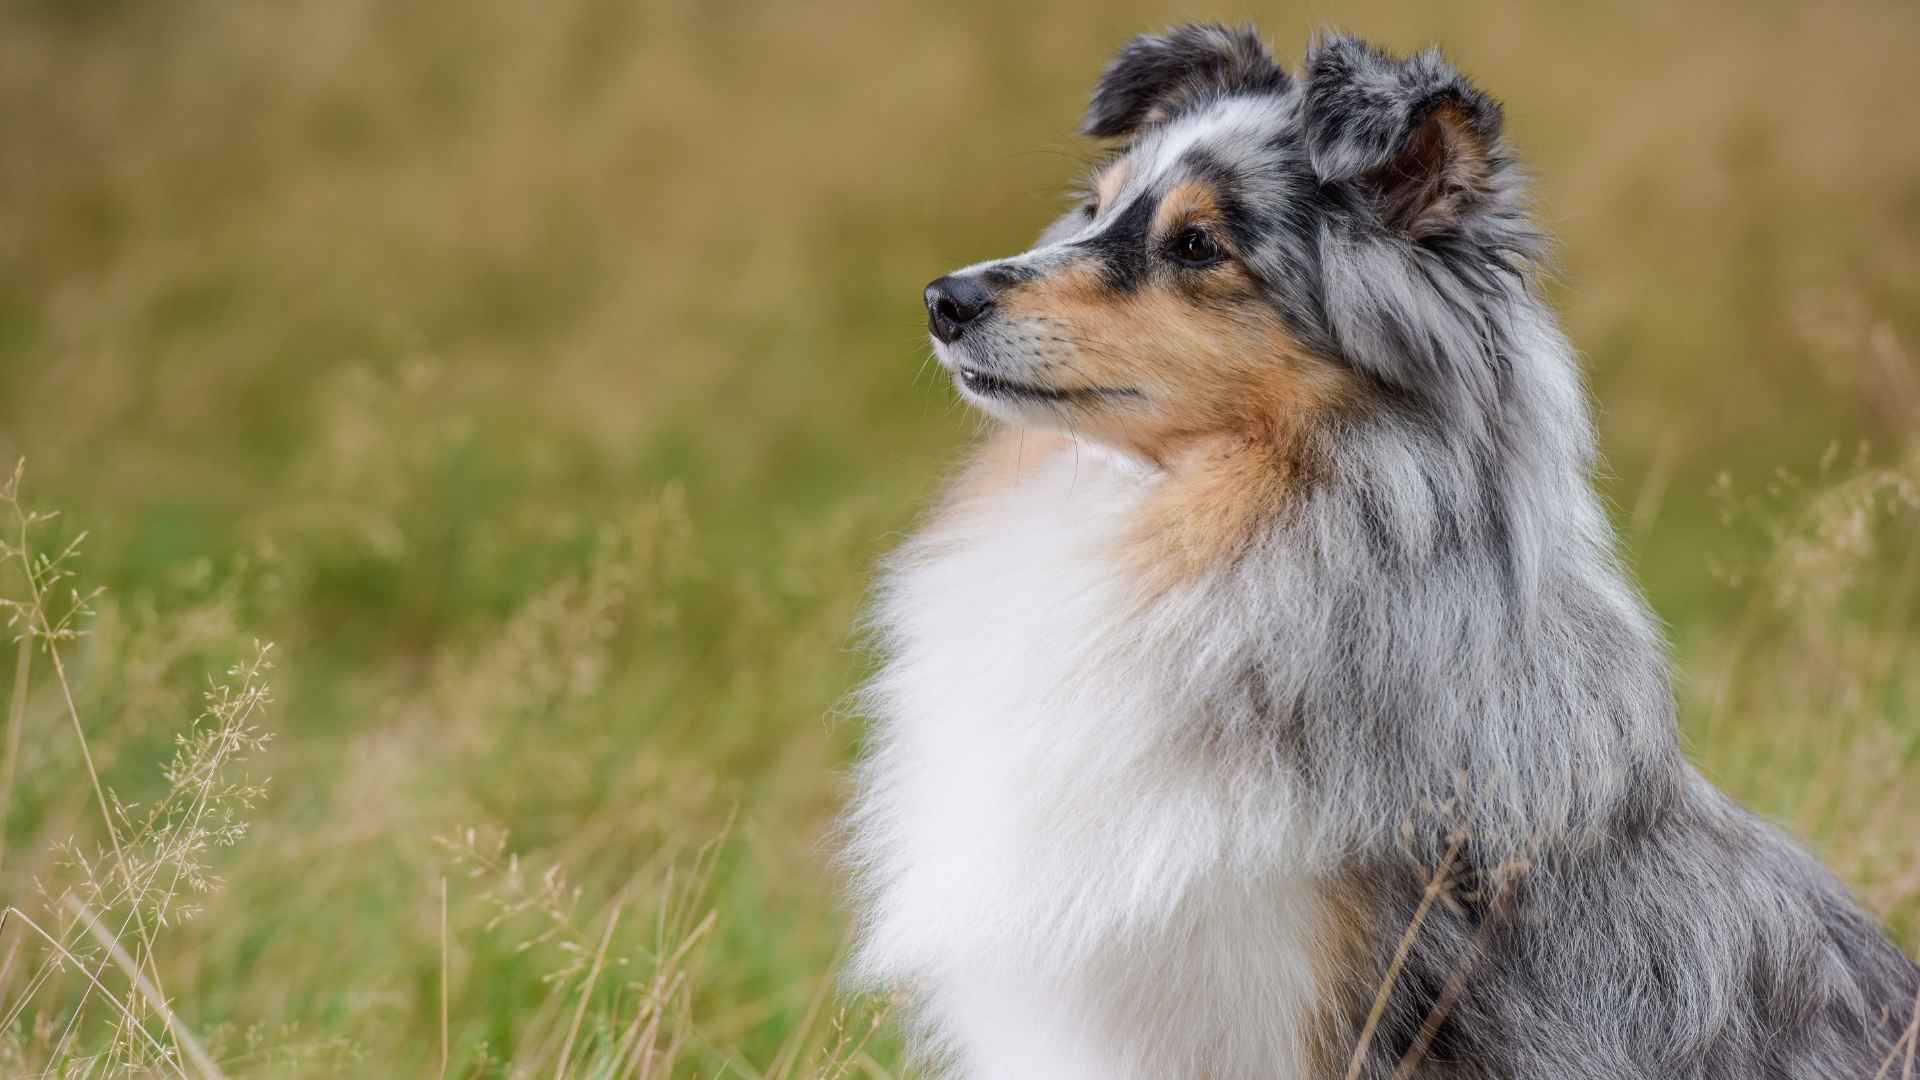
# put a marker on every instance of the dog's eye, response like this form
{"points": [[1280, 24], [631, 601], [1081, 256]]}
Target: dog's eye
{"points": [[1196, 248], [1092, 210]]}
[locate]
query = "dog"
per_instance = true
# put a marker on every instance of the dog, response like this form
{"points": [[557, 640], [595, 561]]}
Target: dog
{"points": [[1266, 698]]}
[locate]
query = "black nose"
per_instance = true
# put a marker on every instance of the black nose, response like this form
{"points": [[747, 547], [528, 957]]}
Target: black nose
{"points": [[954, 301]]}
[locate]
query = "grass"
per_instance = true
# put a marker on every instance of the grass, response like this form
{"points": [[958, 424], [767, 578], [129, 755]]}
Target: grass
{"points": [[541, 381]]}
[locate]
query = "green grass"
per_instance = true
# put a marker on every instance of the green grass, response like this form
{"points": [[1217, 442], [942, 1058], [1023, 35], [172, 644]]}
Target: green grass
{"points": [[544, 380]]}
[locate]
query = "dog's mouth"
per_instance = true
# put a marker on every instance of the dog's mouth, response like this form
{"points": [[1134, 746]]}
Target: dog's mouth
{"points": [[975, 381]]}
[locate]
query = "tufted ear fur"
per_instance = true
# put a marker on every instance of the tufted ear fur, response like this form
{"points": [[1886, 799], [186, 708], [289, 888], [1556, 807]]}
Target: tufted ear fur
{"points": [[1156, 76], [1412, 136]]}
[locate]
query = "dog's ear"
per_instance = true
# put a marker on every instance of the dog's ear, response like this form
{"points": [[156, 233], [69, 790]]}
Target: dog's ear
{"points": [[1155, 75], [1415, 138]]}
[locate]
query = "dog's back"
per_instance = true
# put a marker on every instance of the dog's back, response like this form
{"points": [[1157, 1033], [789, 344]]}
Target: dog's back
{"points": [[1699, 944]]}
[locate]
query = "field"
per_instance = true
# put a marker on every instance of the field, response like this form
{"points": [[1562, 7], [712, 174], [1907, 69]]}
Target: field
{"points": [[543, 380]]}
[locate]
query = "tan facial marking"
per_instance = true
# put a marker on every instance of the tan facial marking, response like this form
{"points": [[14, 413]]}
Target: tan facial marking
{"points": [[1225, 398], [1206, 357], [1190, 202]]}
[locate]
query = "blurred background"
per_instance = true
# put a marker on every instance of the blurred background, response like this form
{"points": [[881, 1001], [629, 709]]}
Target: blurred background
{"points": [[543, 380]]}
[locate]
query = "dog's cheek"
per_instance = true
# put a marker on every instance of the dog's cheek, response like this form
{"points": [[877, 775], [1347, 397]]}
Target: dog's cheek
{"points": [[1080, 321]]}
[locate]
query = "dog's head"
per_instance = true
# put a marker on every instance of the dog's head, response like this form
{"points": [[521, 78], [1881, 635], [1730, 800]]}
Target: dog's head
{"points": [[1258, 247]]}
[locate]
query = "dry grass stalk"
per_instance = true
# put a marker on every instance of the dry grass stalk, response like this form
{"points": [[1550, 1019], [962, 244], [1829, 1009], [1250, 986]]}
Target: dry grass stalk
{"points": [[586, 994], [1437, 885], [153, 856], [191, 1046]]}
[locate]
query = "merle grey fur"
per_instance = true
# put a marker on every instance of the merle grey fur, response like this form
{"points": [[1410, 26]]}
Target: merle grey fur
{"points": [[1457, 669], [1154, 77]]}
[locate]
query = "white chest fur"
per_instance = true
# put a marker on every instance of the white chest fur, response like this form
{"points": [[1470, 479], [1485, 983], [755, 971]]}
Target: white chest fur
{"points": [[1072, 878]]}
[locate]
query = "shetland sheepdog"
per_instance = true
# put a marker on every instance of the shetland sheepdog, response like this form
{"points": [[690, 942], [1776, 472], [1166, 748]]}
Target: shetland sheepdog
{"points": [[1266, 698]]}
